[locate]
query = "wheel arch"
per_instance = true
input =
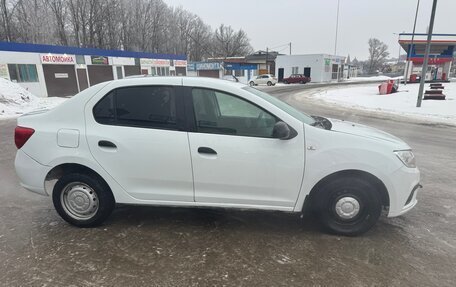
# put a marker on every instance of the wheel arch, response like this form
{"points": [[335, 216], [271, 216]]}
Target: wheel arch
{"points": [[380, 186], [65, 168]]}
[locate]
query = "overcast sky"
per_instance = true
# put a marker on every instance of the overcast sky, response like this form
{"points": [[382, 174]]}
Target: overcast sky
{"points": [[310, 25]]}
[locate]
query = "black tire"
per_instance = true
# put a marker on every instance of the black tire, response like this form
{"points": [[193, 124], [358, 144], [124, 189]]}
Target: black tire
{"points": [[340, 189], [285, 82], [302, 82], [90, 186], [252, 84], [269, 83]]}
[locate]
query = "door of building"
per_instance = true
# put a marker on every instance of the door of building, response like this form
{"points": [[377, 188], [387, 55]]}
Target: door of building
{"points": [[99, 74], [60, 80], [82, 79], [307, 71], [119, 72], [280, 74], [132, 70], [209, 73]]}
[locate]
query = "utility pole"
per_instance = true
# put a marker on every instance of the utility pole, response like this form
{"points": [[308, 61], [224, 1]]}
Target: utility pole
{"points": [[426, 55], [290, 48], [411, 44], [267, 54], [337, 27]]}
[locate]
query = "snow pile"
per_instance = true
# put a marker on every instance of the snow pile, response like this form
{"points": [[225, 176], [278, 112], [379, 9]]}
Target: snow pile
{"points": [[371, 79], [366, 97], [13, 94], [15, 100]]}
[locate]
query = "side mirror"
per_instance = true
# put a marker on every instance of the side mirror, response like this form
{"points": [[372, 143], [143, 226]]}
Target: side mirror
{"points": [[281, 131]]}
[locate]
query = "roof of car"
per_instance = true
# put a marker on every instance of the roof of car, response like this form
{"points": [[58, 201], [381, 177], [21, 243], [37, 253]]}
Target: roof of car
{"points": [[175, 80]]}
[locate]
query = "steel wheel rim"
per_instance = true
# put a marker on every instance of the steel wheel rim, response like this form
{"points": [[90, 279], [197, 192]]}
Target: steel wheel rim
{"points": [[79, 201], [347, 207]]}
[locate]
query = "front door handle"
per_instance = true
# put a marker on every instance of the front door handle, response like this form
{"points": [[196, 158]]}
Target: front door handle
{"points": [[106, 144], [206, 150]]}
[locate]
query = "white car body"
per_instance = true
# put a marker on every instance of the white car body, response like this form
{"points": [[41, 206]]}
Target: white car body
{"points": [[163, 167], [265, 79]]}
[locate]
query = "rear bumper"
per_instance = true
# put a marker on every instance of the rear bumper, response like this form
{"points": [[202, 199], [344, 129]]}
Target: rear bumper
{"points": [[31, 173], [406, 182]]}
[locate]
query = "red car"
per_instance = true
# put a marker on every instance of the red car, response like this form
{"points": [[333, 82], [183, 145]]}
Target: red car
{"points": [[296, 78]]}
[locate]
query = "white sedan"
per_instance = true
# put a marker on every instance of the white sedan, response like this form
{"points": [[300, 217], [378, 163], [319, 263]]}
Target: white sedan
{"points": [[200, 142], [266, 79]]}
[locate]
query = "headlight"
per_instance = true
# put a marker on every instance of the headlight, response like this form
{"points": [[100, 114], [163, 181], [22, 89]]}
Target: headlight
{"points": [[407, 157]]}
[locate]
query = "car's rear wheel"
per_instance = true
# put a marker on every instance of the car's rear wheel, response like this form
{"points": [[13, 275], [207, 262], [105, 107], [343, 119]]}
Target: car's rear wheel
{"points": [[82, 200], [269, 83], [285, 82], [252, 84], [302, 82], [347, 206]]}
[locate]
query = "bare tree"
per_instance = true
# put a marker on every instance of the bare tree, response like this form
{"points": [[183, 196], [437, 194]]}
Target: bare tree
{"points": [[378, 51], [229, 43], [136, 25]]}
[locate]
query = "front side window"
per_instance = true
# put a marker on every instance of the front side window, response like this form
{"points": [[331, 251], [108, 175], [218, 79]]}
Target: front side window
{"points": [[221, 113], [149, 107]]}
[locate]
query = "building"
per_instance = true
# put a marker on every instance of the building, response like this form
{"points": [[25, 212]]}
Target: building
{"points": [[441, 55], [320, 67], [49, 71]]}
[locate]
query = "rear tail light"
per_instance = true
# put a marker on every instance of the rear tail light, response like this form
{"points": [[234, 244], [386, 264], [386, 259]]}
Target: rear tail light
{"points": [[22, 135]]}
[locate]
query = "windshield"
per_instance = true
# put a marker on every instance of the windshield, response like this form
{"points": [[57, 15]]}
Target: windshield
{"points": [[282, 105]]}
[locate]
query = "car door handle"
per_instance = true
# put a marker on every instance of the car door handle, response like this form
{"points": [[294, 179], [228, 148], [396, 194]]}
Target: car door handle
{"points": [[206, 150], [106, 144]]}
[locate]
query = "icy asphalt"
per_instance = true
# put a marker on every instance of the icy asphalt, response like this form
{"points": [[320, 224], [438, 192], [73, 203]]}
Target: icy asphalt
{"points": [[150, 246]]}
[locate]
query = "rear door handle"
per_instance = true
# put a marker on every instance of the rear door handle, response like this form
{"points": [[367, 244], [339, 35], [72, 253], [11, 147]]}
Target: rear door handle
{"points": [[106, 144], [206, 150]]}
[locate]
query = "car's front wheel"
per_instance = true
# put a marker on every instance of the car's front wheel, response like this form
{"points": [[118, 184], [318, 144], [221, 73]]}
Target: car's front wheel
{"points": [[252, 84], [347, 206], [82, 200], [285, 82], [269, 83]]}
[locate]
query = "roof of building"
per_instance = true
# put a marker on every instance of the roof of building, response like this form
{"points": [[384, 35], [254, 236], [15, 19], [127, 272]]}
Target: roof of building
{"points": [[41, 48]]}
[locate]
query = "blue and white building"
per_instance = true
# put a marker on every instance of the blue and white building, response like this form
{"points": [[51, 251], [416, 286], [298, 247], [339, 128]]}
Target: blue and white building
{"points": [[49, 71]]}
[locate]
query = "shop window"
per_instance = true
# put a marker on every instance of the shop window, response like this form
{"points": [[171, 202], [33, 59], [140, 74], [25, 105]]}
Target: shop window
{"points": [[80, 59], [21, 73]]}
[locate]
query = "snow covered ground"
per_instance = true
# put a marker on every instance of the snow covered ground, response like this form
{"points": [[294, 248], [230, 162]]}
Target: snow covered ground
{"points": [[15, 100], [371, 79], [366, 97]]}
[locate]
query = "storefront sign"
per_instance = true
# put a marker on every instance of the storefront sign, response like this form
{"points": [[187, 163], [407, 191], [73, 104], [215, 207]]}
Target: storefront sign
{"points": [[4, 71], [57, 59], [61, 75], [238, 66], [180, 63], [122, 61], [155, 62], [191, 66], [207, 66], [99, 60]]}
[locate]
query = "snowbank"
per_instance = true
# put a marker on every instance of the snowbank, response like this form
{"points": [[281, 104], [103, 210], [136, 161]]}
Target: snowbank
{"points": [[402, 103], [15, 100], [371, 79]]}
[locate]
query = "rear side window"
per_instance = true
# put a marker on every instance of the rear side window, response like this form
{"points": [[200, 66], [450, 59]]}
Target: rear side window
{"points": [[149, 107]]}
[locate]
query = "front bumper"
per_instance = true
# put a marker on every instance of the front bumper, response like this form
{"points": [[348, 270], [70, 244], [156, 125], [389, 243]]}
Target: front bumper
{"points": [[31, 173], [403, 192]]}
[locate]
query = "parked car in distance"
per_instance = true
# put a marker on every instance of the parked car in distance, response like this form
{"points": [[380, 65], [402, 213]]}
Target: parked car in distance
{"points": [[296, 78], [265, 79], [201, 142]]}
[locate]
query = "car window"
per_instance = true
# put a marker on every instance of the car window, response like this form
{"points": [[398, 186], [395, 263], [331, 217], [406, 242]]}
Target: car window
{"points": [[145, 106], [221, 113]]}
